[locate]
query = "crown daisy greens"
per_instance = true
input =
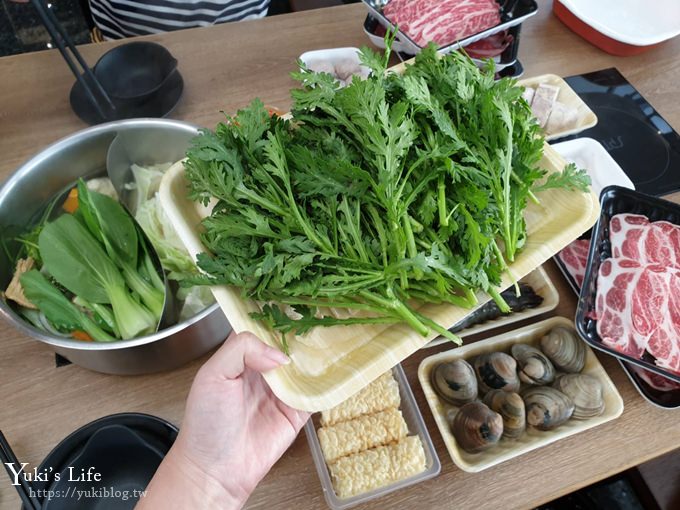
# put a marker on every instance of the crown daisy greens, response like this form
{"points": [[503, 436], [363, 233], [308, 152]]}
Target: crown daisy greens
{"points": [[396, 188]]}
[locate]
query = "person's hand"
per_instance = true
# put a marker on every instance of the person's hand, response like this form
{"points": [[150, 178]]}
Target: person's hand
{"points": [[233, 432]]}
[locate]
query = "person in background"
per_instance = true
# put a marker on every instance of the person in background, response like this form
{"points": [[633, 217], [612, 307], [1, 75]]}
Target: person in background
{"points": [[117, 19], [234, 430]]}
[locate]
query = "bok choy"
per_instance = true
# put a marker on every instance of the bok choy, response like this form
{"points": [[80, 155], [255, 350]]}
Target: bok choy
{"points": [[74, 258], [64, 315], [113, 227]]}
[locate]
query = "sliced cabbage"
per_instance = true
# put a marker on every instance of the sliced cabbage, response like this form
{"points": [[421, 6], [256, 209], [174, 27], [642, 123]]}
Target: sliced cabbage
{"points": [[174, 257], [196, 299], [147, 181]]}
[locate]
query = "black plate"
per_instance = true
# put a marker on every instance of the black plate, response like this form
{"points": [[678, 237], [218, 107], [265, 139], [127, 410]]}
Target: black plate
{"points": [[160, 104], [125, 449], [615, 200]]}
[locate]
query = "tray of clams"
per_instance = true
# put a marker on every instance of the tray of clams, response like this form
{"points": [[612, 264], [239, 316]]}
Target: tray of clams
{"points": [[509, 394]]}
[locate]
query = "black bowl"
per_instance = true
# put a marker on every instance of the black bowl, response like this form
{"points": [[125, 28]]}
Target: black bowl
{"points": [[160, 104], [103, 463], [134, 71], [615, 200]]}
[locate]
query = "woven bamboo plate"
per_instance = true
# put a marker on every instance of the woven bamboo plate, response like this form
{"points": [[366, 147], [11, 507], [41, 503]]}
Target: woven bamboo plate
{"points": [[331, 364], [539, 281], [531, 439]]}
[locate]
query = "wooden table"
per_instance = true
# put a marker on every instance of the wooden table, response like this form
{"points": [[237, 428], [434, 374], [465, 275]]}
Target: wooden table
{"points": [[224, 67]]}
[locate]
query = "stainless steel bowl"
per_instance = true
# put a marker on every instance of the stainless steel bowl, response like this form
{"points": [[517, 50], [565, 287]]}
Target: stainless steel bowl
{"points": [[25, 194]]}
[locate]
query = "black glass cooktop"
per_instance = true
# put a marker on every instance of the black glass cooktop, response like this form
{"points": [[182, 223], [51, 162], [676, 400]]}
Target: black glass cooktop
{"points": [[632, 131]]}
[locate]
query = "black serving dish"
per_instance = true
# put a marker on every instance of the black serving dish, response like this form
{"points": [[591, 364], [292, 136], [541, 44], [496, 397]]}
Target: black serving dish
{"points": [[565, 271], [615, 200], [124, 449], [668, 399], [507, 65], [517, 12], [659, 398]]}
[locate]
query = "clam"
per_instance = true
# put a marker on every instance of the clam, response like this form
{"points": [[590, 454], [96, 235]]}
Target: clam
{"points": [[565, 349], [476, 427], [586, 393], [496, 371], [455, 382], [511, 408], [534, 366], [547, 408]]}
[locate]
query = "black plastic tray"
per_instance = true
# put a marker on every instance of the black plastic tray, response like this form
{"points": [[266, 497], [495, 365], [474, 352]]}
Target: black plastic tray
{"points": [[615, 200], [664, 399], [516, 14], [565, 271]]}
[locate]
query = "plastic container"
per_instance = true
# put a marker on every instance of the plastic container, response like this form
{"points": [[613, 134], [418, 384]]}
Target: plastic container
{"points": [[522, 10], [615, 200], [416, 426], [376, 33], [669, 399], [621, 27], [531, 439]]}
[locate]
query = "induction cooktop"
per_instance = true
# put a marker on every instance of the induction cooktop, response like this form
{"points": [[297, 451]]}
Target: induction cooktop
{"points": [[635, 135]]}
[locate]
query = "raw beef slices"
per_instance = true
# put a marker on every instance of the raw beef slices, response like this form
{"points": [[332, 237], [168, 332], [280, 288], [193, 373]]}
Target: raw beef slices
{"points": [[574, 257], [442, 21], [638, 290]]}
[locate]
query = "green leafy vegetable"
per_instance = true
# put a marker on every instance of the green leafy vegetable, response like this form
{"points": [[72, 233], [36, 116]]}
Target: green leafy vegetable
{"points": [[63, 314], [571, 178], [114, 228], [394, 189], [74, 258]]}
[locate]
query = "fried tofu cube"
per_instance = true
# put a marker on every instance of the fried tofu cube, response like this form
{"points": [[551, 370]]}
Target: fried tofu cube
{"points": [[381, 394], [377, 467], [361, 433]]}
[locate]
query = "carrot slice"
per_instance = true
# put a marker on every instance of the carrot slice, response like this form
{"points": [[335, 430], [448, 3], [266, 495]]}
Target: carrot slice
{"points": [[71, 202], [81, 335]]}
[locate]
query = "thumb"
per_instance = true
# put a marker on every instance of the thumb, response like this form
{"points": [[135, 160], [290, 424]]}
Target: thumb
{"points": [[244, 350]]}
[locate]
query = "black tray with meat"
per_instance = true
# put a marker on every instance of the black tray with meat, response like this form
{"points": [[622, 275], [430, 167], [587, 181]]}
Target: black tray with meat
{"points": [[437, 19], [656, 389], [636, 314], [506, 62]]}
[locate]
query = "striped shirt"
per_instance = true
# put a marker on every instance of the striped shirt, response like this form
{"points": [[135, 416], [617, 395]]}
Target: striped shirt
{"points": [[125, 18]]}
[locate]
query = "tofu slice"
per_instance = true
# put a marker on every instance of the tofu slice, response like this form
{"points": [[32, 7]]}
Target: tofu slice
{"points": [[543, 102], [377, 467], [369, 431], [381, 394]]}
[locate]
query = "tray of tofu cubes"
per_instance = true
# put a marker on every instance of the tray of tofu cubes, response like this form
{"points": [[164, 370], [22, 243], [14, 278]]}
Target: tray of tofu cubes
{"points": [[372, 444], [499, 398], [558, 109]]}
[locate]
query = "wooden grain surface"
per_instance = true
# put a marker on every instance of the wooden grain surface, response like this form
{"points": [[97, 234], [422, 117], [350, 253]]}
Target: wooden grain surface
{"points": [[224, 67]]}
